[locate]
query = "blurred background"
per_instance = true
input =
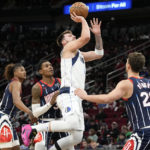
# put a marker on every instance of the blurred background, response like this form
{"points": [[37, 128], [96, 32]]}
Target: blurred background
{"points": [[28, 32]]}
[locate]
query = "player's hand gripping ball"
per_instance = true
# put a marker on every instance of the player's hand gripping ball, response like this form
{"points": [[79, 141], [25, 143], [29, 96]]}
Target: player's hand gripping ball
{"points": [[80, 9]]}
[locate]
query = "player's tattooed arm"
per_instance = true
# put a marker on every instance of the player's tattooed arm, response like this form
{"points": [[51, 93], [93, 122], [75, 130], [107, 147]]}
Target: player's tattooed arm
{"points": [[36, 92], [37, 109]]}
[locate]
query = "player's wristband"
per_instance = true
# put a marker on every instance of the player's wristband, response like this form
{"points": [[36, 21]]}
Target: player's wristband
{"points": [[99, 52]]}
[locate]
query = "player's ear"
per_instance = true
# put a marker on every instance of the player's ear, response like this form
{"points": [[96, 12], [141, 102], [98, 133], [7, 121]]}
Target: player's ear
{"points": [[128, 66], [63, 42], [40, 71]]}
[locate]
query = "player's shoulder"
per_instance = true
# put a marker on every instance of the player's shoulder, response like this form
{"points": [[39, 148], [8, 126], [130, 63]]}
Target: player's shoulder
{"points": [[15, 83], [36, 86], [125, 83]]}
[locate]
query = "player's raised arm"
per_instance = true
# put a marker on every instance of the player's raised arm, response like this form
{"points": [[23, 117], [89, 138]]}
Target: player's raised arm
{"points": [[98, 52], [76, 44], [120, 91]]}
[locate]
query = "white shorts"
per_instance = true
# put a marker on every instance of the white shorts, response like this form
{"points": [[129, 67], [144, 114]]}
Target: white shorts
{"points": [[71, 105], [8, 135]]}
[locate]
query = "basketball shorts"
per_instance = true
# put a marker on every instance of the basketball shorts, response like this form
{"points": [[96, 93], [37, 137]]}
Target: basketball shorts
{"points": [[139, 140], [71, 105], [8, 135]]}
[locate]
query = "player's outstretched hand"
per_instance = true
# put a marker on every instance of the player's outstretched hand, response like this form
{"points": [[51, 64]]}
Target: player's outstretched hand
{"points": [[95, 26], [81, 93], [53, 100], [32, 118], [76, 18]]}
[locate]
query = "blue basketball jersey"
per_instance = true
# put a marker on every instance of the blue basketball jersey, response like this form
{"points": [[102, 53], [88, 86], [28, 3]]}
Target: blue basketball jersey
{"points": [[7, 106], [138, 105], [47, 92]]}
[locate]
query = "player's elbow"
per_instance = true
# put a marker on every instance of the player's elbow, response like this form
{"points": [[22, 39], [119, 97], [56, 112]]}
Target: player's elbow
{"points": [[15, 102], [99, 56], [108, 100], [87, 38]]}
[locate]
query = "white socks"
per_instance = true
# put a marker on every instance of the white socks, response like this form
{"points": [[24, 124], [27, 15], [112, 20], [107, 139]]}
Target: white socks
{"points": [[41, 127]]}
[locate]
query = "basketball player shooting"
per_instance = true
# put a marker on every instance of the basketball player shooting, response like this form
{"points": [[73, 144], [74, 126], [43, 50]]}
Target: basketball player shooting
{"points": [[73, 73]]}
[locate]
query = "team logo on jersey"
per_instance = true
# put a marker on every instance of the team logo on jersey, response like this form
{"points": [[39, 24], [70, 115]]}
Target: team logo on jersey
{"points": [[5, 134], [82, 60], [48, 97], [68, 109]]}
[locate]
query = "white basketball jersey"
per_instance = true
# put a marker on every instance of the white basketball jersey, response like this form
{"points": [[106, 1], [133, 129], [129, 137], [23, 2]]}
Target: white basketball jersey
{"points": [[73, 71]]}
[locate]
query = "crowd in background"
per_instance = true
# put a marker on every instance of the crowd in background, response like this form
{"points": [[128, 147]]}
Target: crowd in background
{"points": [[30, 42], [106, 125]]}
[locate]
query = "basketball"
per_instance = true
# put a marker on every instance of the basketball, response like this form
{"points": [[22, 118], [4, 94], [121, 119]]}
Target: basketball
{"points": [[80, 9]]}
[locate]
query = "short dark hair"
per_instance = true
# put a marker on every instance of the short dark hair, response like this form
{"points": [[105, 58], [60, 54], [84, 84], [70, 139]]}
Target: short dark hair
{"points": [[61, 36], [40, 64], [136, 61], [10, 69]]}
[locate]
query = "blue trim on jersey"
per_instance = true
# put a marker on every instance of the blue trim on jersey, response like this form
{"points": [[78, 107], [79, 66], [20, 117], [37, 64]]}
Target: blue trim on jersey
{"points": [[74, 59], [64, 90], [138, 105]]}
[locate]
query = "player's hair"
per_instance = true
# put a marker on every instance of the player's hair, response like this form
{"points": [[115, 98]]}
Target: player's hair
{"points": [[136, 61], [40, 64], [61, 36], [10, 69]]}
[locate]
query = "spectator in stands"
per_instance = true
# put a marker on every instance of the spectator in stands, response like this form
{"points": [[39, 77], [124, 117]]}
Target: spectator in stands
{"points": [[94, 146], [101, 115], [114, 132], [92, 135], [125, 130], [121, 140], [103, 134], [84, 145], [93, 125]]}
